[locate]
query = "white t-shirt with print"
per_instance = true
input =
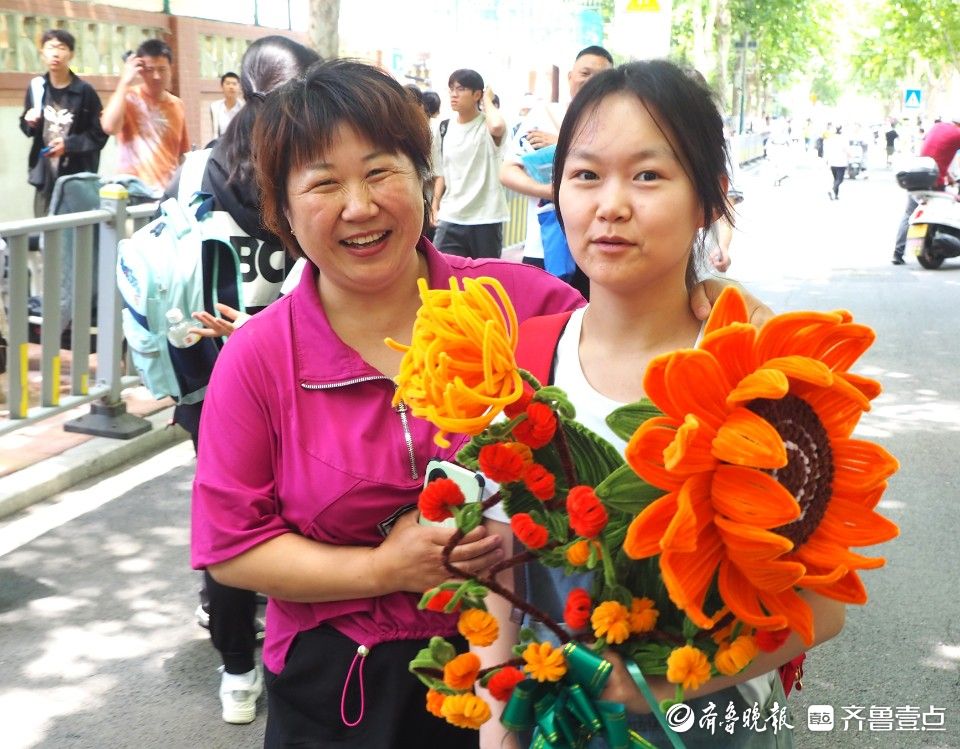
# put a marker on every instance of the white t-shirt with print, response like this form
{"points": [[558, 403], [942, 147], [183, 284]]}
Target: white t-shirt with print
{"points": [[469, 162]]}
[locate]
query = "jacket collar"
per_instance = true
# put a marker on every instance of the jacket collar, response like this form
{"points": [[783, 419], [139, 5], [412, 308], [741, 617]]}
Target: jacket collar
{"points": [[74, 87], [320, 356]]}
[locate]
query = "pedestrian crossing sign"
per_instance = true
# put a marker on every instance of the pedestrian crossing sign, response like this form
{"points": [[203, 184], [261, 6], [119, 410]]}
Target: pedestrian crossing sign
{"points": [[911, 98]]}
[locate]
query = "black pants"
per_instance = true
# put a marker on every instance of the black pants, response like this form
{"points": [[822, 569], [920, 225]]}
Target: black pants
{"points": [[475, 240], [303, 702], [233, 611], [838, 174]]}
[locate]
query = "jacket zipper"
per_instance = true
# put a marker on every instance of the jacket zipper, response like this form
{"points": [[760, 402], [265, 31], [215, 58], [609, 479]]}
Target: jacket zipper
{"points": [[401, 409]]}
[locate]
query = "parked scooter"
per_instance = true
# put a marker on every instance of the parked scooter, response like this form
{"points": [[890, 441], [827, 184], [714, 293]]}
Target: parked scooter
{"points": [[933, 234], [857, 163]]}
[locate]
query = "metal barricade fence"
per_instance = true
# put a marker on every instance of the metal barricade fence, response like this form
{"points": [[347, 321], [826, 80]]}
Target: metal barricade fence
{"points": [[108, 415]]}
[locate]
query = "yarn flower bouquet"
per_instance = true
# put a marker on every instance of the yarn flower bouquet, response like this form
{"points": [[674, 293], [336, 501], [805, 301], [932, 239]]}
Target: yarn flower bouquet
{"points": [[741, 487]]}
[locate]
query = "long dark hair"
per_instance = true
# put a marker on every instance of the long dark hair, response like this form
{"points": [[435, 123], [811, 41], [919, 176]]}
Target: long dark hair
{"points": [[268, 63], [686, 113]]}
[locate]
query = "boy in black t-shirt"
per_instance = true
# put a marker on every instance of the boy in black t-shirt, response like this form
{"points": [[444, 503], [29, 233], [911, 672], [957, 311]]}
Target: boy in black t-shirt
{"points": [[62, 115]]}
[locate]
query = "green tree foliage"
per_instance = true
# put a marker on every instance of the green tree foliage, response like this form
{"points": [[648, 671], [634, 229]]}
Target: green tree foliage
{"points": [[900, 41]]}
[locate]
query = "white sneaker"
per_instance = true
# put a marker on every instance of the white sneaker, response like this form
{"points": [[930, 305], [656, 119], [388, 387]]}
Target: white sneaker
{"points": [[238, 695]]}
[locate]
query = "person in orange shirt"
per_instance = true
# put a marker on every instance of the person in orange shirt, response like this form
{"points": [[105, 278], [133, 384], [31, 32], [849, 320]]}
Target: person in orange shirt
{"points": [[149, 121]]}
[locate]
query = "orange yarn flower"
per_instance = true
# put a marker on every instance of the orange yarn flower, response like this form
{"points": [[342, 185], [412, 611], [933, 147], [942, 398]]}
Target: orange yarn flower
{"points": [[576, 612], [435, 702], [538, 428], [501, 462], [732, 657], [479, 627], [578, 552], [459, 371], [611, 620], [465, 710], [501, 684], [688, 667], [544, 662], [766, 490], [643, 616], [460, 672], [588, 516], [531, 534], [540, 482], [438, 497]]}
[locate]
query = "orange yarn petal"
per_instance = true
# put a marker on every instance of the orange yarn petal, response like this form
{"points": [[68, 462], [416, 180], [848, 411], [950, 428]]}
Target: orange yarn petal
{"points": [[691, 514], [849, 589], [733, 348], [797, 612], [855, 525], [730, 307], [644, 453], [861, 465], [744, 600], [747, 439], [648, 527], [690, 450], [794, 333], [745, 495], [803, 369], [761, 383], [697, 385]]}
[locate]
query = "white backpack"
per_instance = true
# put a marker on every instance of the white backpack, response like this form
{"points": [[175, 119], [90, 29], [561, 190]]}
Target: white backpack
{"points": [[182, 259]]}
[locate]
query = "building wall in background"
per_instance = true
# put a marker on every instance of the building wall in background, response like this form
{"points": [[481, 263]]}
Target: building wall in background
{"points": [[203, 49]]}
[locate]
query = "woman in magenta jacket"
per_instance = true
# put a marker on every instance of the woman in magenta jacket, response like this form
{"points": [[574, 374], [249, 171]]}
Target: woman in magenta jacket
{"points": [[307, 476]]}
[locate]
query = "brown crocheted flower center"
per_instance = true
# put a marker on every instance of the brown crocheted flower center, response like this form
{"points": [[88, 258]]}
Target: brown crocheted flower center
{"points": [[808, 474]]}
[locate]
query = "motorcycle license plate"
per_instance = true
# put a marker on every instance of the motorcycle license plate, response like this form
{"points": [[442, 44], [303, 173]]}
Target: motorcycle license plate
{"points": [[916, 238]]}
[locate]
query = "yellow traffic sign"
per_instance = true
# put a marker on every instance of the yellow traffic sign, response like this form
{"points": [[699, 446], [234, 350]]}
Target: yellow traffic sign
{"points": [[635, 6]]}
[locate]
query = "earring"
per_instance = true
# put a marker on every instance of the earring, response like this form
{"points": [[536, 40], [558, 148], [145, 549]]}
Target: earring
{"points": [[292, 232]]}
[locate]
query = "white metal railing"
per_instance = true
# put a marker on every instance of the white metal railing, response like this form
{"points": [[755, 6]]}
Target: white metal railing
{"points": [[115, 220]]}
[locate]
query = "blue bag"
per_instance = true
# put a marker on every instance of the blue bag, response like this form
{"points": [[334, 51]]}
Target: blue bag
{"points": [[557, 259]]}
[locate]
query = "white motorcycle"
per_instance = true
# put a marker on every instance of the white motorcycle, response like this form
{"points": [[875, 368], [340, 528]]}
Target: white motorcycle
{"points": [[933, 233]]}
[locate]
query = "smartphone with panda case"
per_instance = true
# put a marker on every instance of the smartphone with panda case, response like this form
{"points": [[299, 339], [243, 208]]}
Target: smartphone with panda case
{"points": [[470, 483]]}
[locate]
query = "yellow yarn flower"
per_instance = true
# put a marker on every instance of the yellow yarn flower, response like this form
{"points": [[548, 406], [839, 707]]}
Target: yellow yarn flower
{"points": [[643, 616], [465, 710], [459, 371], [544, 662], [688, 667], [479, 627], [612, 621], [733, 657]]}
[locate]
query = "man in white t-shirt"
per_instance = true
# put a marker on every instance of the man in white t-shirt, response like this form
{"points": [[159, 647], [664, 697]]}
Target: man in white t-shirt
{"points": [[539, 129], [468, 201], [224, 110]]}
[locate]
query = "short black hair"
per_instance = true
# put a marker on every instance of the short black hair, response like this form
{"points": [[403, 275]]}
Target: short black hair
{"points": [[415, 92], [64, 37], [467, 78], [155, 48], [431, 103], [298, 122], [229, 74], [597, 51]]}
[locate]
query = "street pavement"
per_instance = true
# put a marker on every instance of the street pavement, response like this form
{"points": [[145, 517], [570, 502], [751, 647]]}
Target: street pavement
{"points": [[97, 638]]}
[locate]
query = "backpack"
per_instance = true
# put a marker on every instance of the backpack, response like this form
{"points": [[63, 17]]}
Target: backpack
{"points": [[444, 124], [184, 258], [536, 352]]}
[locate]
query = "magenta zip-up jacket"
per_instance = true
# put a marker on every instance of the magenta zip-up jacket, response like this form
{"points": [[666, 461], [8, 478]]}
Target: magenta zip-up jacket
{"points": [[300, 437]]}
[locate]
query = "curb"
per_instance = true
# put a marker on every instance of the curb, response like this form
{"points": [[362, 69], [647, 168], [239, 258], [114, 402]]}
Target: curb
{"points": [[94, 457]]}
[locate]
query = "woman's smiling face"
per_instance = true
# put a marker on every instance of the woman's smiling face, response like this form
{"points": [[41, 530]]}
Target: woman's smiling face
{"points": [[357, 212], [629, 208]]}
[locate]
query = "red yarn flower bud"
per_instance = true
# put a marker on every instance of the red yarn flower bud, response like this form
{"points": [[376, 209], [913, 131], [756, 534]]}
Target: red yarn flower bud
{"points": [[588, 516], [538, 428], [437, 497], [501, 463], [541, 483], [576, 613], [531, 534]]}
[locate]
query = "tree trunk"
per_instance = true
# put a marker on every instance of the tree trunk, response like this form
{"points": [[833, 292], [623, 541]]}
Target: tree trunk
{"points": [[722, 59], [324, 28]]}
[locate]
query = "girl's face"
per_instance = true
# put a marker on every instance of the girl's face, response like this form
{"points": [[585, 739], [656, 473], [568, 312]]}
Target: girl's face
{"points": [[357, 212], [629, 209]]}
